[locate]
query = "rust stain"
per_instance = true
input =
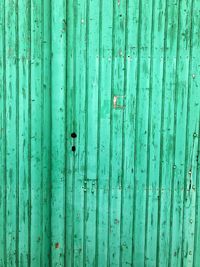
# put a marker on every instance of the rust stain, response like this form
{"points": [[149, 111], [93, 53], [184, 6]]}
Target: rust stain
{"points": [[57, 245]]}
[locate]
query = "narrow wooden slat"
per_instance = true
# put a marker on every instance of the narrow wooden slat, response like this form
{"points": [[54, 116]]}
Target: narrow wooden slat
{"points": [[11, 131], [70, 119], [141, 130], [181, 111], [191, 173], [196, 256], [36, 132], [91, 129], [195, 99], [192, 146], [167, 132], [105, 63], [78, 127], [116, 134], [46, 132], [2, 136], [24, 161], [58, 116], [127, 205], [155, 106]]}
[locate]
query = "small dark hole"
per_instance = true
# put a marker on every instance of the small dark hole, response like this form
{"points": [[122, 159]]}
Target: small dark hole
{"points": [[73, 148], [73, 135], [57, 245]]}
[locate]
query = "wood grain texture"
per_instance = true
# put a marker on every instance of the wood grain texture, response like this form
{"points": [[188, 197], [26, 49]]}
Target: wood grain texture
{"points": [[82, 182]]}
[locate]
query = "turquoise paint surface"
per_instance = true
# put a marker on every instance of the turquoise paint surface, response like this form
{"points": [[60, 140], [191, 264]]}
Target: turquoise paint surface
{"points": [[99, 133]]}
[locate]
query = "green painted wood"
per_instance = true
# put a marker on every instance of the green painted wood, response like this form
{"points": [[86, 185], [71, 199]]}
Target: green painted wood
{"points": [[24, 132], [141, 130], [124, 189], [195, 84], [167, 165], [77, 126], [104, 142], [58, 133], [127, 204], [154, 138], [11, 141], [36, 133], [46, 133], [180, 122], [2, 138], [91, 129], [70, 123], [191, 167]]}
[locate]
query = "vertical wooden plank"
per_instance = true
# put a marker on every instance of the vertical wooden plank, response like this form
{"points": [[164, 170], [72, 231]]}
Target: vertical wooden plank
{"points": [[167, 133], [71, 48], [130, 73], [191, 173], [116, 133], [91, 130], [76, 123], [79, 128], [192, 144], [196, 256], [2, 136], [11, 128], [105, 101], [58, 149], [141, 130], [46, 132], [194, 102], [36, 132], [24, 160], [154, 125], [180, 123]]}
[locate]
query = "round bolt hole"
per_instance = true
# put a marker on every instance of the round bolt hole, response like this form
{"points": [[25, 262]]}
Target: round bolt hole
{"points": [[73, 135], [73, 148]]}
